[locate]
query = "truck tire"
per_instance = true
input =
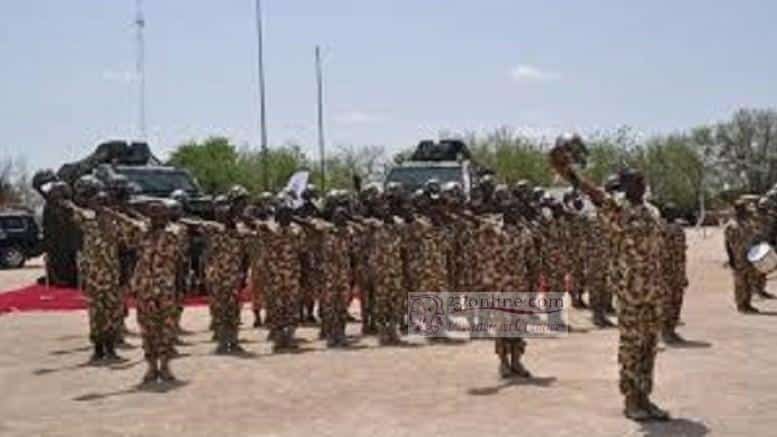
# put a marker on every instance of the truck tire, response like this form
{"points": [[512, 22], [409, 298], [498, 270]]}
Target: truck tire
{"points": [[12, 257]]}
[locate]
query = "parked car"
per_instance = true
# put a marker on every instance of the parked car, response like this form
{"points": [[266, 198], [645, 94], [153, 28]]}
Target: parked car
{"points": [[20, 238]]}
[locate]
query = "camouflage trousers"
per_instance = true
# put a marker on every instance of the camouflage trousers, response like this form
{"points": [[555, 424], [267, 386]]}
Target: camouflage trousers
{"points": [[225, 311], [281, 303], [638, 326], [257, 287], [333, 311], [388, 307], [599, 297], [746, 281], [106, 313], [758, 283], [157, 320], [514, 347], [672, 306]]}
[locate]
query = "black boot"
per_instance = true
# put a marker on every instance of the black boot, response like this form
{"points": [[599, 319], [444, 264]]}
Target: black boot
{"points": [[98, 354], [634, 409], [164, 372], [257, 319], [110, 352], [656, 413], [152, 374], [601, 321], [670, 337]]}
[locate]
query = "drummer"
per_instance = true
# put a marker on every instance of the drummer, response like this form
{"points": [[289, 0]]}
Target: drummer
{"points": [[741, 233]]}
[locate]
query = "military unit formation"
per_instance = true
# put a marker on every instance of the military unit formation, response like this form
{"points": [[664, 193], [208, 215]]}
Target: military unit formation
{"points": [[378, 244]]}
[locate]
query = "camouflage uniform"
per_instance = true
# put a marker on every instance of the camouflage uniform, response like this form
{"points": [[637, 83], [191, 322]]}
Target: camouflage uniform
{"points": [[258, 265], [513, 261], [154, 282], [363, 279], [576, 233], [282, 294], [312, 270], [386, 268], [434, 270], [225, 269], [552, 255], [597, 251], [412, 254], [636, 234], [100, 273], [182, 271], [486, 274], [336, 249], [739, 236], [460, 270], [674, 275]]}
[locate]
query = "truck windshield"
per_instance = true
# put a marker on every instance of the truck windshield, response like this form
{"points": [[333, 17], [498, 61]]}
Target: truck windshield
{"points": [[413, 178], [160, 182]]}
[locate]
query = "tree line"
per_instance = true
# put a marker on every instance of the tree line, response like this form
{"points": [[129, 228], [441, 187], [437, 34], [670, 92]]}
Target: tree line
{"points": [[711, 162]]}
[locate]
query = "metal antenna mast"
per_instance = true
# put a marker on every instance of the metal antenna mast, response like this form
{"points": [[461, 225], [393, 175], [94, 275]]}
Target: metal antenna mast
{"points": [[321, 143], [140, 69], [262, 107]]}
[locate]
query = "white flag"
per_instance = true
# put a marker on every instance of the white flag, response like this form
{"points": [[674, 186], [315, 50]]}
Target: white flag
{"points": [[297, 184]]}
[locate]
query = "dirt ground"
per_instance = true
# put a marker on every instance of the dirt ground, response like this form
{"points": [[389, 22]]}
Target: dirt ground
{"points": [[723, 383]]}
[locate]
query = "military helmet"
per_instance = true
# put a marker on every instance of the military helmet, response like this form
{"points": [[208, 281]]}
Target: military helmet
{"points": [[538, 193], [394, 188], [237, 192], [310, 192], [612, 183], [180, 196], [488, 180], [432, 187], [88, 186]]}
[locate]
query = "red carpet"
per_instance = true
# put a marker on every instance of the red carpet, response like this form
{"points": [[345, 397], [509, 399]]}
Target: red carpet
{"points": [[40, 298]]}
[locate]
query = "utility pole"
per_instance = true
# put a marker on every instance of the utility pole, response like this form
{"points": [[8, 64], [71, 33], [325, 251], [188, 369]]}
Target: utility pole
{"points": [[321, 143], [140, 68], [262, 107]]}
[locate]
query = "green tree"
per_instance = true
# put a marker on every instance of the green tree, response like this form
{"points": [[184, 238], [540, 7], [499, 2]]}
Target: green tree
{"points": [[214, 162]]}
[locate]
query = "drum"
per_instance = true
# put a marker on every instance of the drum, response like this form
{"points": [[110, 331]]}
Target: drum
{"points": [[763, 257]]}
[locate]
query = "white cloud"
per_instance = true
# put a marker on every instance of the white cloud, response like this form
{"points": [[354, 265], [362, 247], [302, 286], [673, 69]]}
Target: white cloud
{"points": [[530, 73], [357, 117]]}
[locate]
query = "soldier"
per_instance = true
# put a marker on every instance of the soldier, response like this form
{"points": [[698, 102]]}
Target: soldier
{"points": [[740, 234], [598, 265], [367, 206], [257, 217], [636, 231], [514, 264], [226, 260], [282, 294], [312, 264], [577, 231], [337, 246], [676, 281], [386, 269], [154, 282], [119, 190], [175, 206], [99, 266]]}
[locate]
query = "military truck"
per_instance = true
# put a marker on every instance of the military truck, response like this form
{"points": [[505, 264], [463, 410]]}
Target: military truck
{"points": [[20, 238], [445, 161], [149, 178]]}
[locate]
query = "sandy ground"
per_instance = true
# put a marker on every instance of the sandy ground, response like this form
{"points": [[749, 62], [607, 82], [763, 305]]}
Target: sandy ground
{"points": [[18, 278], [724, 383]]}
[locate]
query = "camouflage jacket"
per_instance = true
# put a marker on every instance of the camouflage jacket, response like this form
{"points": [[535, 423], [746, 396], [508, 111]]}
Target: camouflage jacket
{"points": [[636, 234]]}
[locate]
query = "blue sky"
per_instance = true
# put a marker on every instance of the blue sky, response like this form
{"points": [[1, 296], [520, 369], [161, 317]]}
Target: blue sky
{"points": [[396, 70]]}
